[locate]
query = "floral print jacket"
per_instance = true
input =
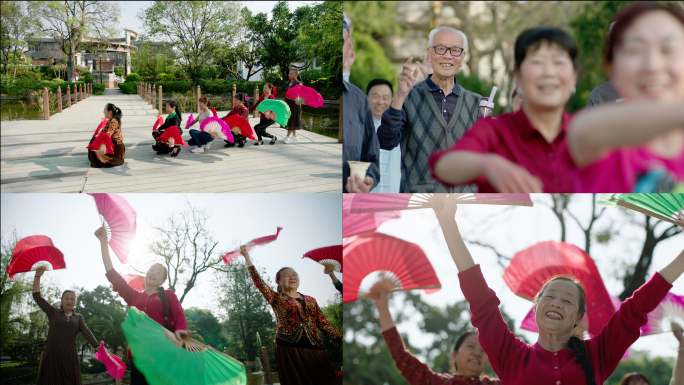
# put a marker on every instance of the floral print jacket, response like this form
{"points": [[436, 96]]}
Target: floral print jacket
{"points": [[297, 319]]}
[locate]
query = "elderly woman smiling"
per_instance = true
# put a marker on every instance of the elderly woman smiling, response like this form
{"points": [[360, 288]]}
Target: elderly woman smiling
{"points": [[557, 357]]}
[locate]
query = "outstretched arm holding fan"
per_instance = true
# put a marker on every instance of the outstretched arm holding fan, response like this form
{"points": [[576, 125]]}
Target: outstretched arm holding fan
{"points": [[678, 371], [467, 355]]}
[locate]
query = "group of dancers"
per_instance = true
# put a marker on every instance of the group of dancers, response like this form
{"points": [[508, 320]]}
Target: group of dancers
{"points": [[202, 140], [299, 351], [560, 354]]}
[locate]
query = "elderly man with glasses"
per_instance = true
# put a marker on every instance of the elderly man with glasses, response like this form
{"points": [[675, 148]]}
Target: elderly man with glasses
{"points": [[431, 115]]}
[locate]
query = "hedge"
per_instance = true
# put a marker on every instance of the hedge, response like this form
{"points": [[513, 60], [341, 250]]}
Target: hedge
{"points": [[129, 87], [24, 88]]}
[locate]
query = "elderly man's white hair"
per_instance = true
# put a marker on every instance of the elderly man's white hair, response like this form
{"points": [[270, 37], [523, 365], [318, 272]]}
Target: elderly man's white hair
{"points": [[438, 29]]}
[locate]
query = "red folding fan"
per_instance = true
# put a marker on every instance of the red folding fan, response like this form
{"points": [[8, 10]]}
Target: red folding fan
{"points": [[135, 281], [368, 203], [213, 111], [119, 219], [531, 268], [375, 258], [158, 122], [102, 139], [241, 123], [311, 97], [172, 133], [250, 245], [359, 223], [33, 252], [103, 122], [330, 256], [217, 126], [190, 121]]}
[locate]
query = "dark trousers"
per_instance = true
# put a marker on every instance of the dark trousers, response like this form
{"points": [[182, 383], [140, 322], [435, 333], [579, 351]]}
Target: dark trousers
{"points": [[198, 138], [137, 378], [260, 129], [237, 139]]}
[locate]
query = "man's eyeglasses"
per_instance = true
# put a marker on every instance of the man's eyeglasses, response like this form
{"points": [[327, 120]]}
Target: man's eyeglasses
{"points": [[441, 50]]}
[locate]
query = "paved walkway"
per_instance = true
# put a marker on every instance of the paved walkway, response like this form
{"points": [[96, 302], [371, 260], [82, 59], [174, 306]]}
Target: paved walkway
{"points": [[50, 156]]}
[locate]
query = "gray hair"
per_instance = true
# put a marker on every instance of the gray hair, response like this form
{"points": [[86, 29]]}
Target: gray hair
{"points": [[438, 29]]}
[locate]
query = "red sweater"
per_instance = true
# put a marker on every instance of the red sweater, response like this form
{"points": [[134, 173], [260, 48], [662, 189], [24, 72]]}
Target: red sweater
{"points": [[242, 111], [261, 99], [150, 304], [418, 373], [517, 363]]}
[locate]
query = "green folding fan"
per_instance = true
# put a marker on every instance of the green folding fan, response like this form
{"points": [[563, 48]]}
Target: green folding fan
{"points": [[666, 207], [165, 360], [279, 107]]}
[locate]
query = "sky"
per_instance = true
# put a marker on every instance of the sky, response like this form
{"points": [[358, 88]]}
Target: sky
{"points": [[129, 11], [309, 221], [514, 230]]}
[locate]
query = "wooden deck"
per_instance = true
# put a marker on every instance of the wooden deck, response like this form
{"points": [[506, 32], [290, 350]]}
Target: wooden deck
{"points": [[50, 156]]}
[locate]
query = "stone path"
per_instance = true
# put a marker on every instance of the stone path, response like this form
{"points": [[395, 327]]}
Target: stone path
{"points": [[50, 156]]}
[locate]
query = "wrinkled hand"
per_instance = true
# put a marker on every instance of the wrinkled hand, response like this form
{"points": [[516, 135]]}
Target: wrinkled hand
{"points": [[349, 55], [181, 333], [101, 234], [243, 251], [407, 78], [444, 206], [40, 271], [425, 66], [380, 293], [678, 332], [508, 177], [356, 185]]}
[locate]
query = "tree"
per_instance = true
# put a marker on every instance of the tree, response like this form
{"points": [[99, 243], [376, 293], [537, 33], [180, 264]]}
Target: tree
{"points": [[186, 247], [205, 327], [243, 48], [322, 38], [152, 60], [333, 312], [13, 33], [197, 28], [246, 312], [103, 313], [279, 37], [69, 22], [10, 290]]}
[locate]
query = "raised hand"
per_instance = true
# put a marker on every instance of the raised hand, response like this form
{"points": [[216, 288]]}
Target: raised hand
{"points": [[678, 332], [443, 206], [407, 78], [40, 271], [328, 269], [508, 177], [101, 234], [349, 54], [243, 251], [425, 66]]}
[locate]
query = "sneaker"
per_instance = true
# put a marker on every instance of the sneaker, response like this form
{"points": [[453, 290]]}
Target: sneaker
{"points": [[207, 146], [296, 138], [196, 150], [176, 150], [286, 140], [229, 144], [242, 143]]}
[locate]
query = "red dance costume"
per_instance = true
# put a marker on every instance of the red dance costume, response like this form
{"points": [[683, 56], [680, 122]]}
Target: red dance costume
{"points": [[518, 363], [418, 373]]}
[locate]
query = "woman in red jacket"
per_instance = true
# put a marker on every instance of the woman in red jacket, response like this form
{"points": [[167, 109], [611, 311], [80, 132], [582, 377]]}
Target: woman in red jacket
{"points": [[468, 357], [265, 120], [159, 304], [238, 109], [557, 357]]}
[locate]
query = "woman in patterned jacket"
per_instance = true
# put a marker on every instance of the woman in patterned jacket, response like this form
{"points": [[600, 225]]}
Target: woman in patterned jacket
{"points": [[113, 128], [59, 363], [299, 351]]}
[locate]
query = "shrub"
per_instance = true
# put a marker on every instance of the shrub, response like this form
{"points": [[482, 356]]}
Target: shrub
{"points": [[129, 87], [86, 77], [133, 77], [29, 75], [98, 89], [167, 77], [119, 70]]}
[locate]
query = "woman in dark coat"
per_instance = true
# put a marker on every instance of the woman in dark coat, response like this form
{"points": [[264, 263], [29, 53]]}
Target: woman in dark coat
{"points": [[295, 122], [59, 364], [174, 119], [113, 128]]}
